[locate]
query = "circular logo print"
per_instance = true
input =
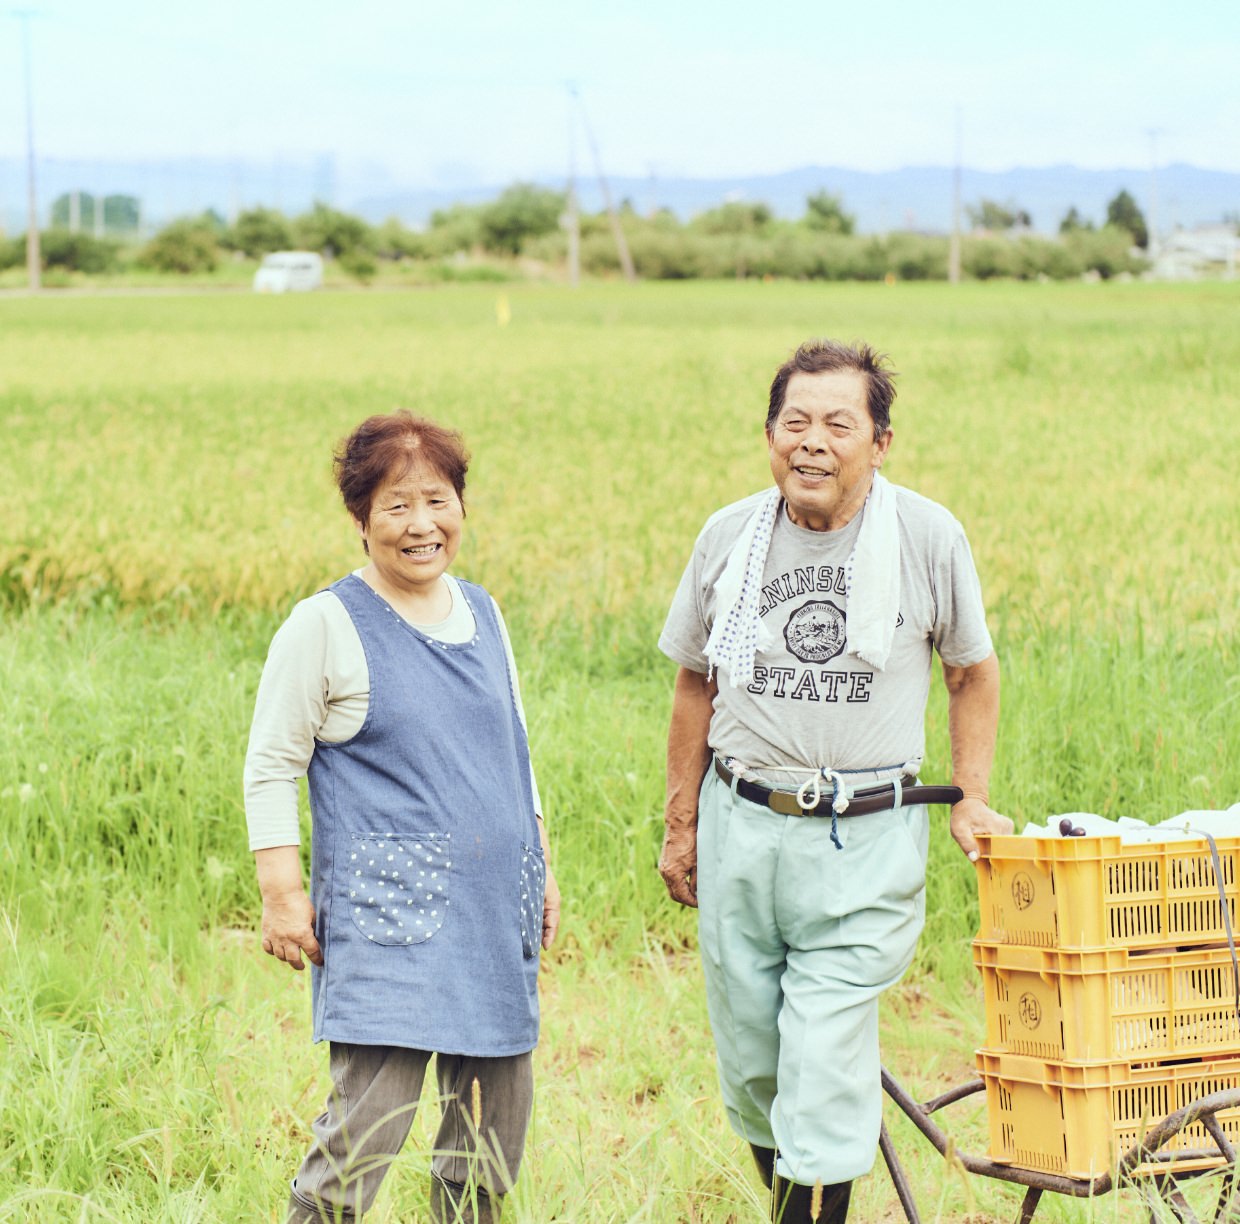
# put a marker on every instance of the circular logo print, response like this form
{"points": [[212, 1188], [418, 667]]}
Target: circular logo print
{"points": [[1030, 1011], [815, 632], [1022, 890]]}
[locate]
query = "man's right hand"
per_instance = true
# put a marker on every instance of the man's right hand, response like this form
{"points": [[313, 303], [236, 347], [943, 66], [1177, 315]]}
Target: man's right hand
{"points": [[688, 758], [678, 864]]}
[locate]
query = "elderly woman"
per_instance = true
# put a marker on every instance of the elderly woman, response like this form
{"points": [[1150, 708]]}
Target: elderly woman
{"points": [[394, 692]]}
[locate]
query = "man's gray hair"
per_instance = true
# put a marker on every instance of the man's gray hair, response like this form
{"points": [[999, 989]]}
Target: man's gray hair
{"points": [[829, 357]]}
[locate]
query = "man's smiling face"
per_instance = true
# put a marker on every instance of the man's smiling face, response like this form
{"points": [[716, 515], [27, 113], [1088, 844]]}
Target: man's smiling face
{"points": [[822, 448]]}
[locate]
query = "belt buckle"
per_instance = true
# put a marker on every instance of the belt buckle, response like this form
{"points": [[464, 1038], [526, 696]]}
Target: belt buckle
{"points": [[785, 803]]}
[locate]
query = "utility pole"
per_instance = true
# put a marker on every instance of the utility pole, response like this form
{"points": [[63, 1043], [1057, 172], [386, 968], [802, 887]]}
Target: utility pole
{"points": [[1152, 239], [572, 217], [617, 231], [953, 250], [33, 262], [234, 194]]}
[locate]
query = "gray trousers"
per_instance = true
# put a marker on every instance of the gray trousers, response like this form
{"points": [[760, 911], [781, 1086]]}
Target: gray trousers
{"points": [[486, 1106]]}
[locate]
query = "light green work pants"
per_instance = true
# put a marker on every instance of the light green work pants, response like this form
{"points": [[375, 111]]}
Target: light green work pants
{"points": [[798, 939]]}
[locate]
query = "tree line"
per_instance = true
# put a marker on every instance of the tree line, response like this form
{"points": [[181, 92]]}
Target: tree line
{"points": [[525, 227]]}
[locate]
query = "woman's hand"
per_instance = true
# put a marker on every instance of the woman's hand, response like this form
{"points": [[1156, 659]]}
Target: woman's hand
{"points": [[551, 893], [551, 909], [288, 915], [288, 929]]}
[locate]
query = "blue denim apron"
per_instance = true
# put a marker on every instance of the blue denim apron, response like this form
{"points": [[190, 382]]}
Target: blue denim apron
{"points": [[427, 875]]}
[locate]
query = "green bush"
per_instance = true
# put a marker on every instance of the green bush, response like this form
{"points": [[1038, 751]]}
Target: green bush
{"points": [[1107, 251], [359, 264], [657, 254], [780, 254], [452, 272], [987, 258], [599, 258], [824, 211], [1124, 214], [1033, 258], [188, 245], [458, 228], [332, 232], [738, 240], [916, 257], [522, 211], [724, 254], [259, 231], [393, 240], [785, 251], [12, 253], [76, 252], [844, 257], [735, 217]]}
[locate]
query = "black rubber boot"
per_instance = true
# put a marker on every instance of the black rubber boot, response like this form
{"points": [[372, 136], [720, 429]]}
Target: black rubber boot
{"points": [[764, 1158], [453, 1204], [791, 1203]]}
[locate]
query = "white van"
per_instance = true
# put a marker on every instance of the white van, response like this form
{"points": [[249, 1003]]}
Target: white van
{"points": [[289, 272]]}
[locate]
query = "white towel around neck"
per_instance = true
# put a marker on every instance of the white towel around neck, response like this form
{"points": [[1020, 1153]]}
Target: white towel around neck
{"points": [[872, 587]]}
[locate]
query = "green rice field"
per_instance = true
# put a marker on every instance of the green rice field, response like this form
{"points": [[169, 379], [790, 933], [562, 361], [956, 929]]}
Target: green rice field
{"points": [[165, 497]]}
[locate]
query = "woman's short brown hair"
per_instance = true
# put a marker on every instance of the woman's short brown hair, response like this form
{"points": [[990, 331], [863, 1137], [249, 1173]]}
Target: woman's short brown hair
{"points": [[385, 447]]}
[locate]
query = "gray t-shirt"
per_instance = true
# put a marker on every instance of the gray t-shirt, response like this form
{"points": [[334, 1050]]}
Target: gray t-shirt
{"points": [[811, 704]]}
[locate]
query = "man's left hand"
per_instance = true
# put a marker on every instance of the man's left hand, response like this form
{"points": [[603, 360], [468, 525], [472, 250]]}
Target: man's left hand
{"points": [[972, 816]]}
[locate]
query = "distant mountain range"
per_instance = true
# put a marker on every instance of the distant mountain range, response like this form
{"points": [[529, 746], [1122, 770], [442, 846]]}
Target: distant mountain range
{"points": [[914, 197]]}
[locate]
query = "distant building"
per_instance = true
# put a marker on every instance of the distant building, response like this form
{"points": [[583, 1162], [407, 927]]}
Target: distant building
{"points": [[1206, 250]]}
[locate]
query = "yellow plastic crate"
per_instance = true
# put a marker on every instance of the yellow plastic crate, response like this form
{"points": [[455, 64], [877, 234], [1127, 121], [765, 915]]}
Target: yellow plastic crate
{"points": [[1108, 1004], [1097, 892], [1078, 1119]]}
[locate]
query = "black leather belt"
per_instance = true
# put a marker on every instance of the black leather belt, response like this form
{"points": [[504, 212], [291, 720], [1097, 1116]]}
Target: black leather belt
{"points": [[860, 803]]}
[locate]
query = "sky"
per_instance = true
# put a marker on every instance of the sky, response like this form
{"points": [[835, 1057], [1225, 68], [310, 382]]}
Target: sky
{"points": [[438, 95]]}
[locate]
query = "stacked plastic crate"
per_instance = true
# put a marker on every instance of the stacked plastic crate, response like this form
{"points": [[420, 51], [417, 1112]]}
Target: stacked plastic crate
{"points": [[1111, 995]]}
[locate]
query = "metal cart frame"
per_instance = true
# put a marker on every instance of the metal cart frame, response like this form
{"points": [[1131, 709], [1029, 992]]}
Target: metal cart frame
{"points": [[1154, 1187]]}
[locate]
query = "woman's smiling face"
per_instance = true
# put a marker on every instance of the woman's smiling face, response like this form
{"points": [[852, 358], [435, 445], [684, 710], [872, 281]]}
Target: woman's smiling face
{"points": [[414, 530]]}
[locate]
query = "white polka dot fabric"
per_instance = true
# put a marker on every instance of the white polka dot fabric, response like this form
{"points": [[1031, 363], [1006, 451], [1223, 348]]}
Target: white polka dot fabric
{"points": [[533, 886], [398, 887], [735, 636]]}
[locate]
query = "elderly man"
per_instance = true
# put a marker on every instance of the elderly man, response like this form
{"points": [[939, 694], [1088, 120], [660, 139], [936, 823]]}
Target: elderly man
{"points": [[803, 628]]}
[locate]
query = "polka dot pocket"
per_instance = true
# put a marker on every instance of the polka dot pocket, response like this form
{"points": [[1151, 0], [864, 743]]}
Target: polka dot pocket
{"points": [[533, 886], [398, 886]]}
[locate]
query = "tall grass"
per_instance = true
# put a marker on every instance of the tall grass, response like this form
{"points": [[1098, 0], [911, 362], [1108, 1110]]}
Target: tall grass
{"points": [[165, 493]]}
